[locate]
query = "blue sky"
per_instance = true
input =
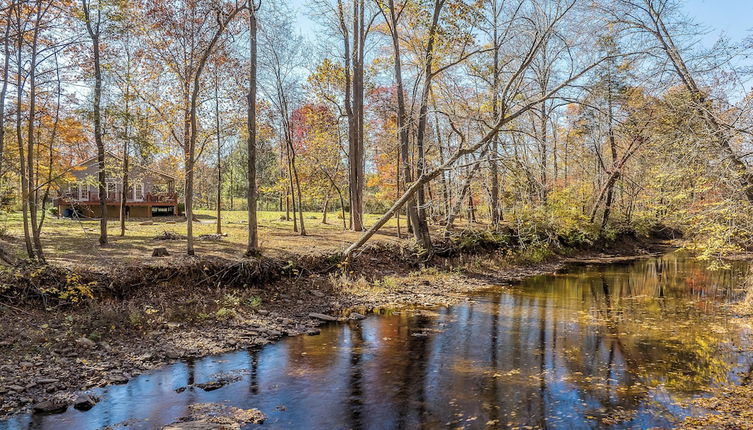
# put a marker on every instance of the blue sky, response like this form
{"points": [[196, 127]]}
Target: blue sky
{"points": [[731, 17]]}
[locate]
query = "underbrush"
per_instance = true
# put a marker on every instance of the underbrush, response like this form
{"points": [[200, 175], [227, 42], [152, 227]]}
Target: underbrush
{"points": [[50, 287], [533, 236]]}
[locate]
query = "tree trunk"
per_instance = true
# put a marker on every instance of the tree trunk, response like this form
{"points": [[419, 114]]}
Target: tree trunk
{"points": [[421, 236], [20, 139], [190, 145], [219, 152], [291, 184], [421, 227], [300, 199], [355, 119], [252, 247], [325, 208], [443, 176], [94, 33], [455, 210], [496, 212], [31, 187], [126, 143], [50, 160], [471, 208], [4, 89]]}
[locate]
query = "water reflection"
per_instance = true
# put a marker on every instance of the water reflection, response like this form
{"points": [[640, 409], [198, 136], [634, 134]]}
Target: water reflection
{"points": [[618, 346]]}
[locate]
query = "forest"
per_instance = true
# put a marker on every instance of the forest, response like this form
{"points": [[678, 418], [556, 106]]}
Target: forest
{"points": [[177, 171], [568, 122]]}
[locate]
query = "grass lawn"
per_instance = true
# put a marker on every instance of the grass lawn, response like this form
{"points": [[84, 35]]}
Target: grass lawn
{"points": [[73, 242]]}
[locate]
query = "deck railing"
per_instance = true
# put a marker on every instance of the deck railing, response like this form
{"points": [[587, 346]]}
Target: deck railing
{"points": [[92, 197]]}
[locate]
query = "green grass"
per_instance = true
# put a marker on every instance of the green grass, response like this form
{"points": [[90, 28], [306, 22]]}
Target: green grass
{"points": [[67, 241]]}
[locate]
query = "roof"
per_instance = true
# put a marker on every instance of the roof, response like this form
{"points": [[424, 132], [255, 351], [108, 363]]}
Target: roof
{"points": [[117, 157]]}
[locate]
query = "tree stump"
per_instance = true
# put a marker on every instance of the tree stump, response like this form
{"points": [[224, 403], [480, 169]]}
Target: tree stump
{"points": [[160, 251]]}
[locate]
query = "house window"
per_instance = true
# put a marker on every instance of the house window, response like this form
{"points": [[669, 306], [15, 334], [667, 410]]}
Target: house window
{"points": [[112, 191], [74, 193], [138, 192], [91, 193]]}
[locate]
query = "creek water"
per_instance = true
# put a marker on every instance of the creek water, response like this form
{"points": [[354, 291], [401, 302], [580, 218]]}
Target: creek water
{"points": [[598, 346]]}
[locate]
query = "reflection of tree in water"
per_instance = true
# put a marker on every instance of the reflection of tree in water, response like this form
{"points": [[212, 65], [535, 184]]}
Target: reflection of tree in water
{"points": [[411, 394], [645, 329], [598, 354], [254, 376], [355, 383], [490, 392]]}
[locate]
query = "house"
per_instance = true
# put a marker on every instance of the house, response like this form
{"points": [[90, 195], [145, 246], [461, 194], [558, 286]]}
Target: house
{"points": [[150, 193]]}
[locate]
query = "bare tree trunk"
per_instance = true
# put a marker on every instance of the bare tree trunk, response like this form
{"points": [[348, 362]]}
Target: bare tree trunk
{"points": [[291, 184], [455, 210], [287, 204], [544, 152], [94, 32], [421, 236], [355, 116], [232, 189], [443, 177], [613, 151], [471, 208], [397, 192], [19, 137], [252, 195], [31, 177], [298, 190], [421, 227], [126, 144], [325, 207], [190, 145], [493, 167], [615, 174], [50, 161], [4, 89], [219, 152], [124, 188], [348, 102]]}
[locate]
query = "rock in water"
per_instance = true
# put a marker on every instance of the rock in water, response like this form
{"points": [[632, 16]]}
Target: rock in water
{"points": [[84, 402], [50, 407], [211, 386], [199, 425], [214, 416], [322, 317], [356, 316], [160, 251]]}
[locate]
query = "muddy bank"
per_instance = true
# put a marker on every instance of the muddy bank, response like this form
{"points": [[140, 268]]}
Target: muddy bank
{"points": [[54, 354]]}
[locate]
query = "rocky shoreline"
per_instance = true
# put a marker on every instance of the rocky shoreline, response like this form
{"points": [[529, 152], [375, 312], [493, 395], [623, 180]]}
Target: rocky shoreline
{"points": [[50, 362]]}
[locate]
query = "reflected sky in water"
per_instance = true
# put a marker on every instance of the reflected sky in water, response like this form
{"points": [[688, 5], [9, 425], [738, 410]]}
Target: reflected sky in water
{"points": [[615, 346]]}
